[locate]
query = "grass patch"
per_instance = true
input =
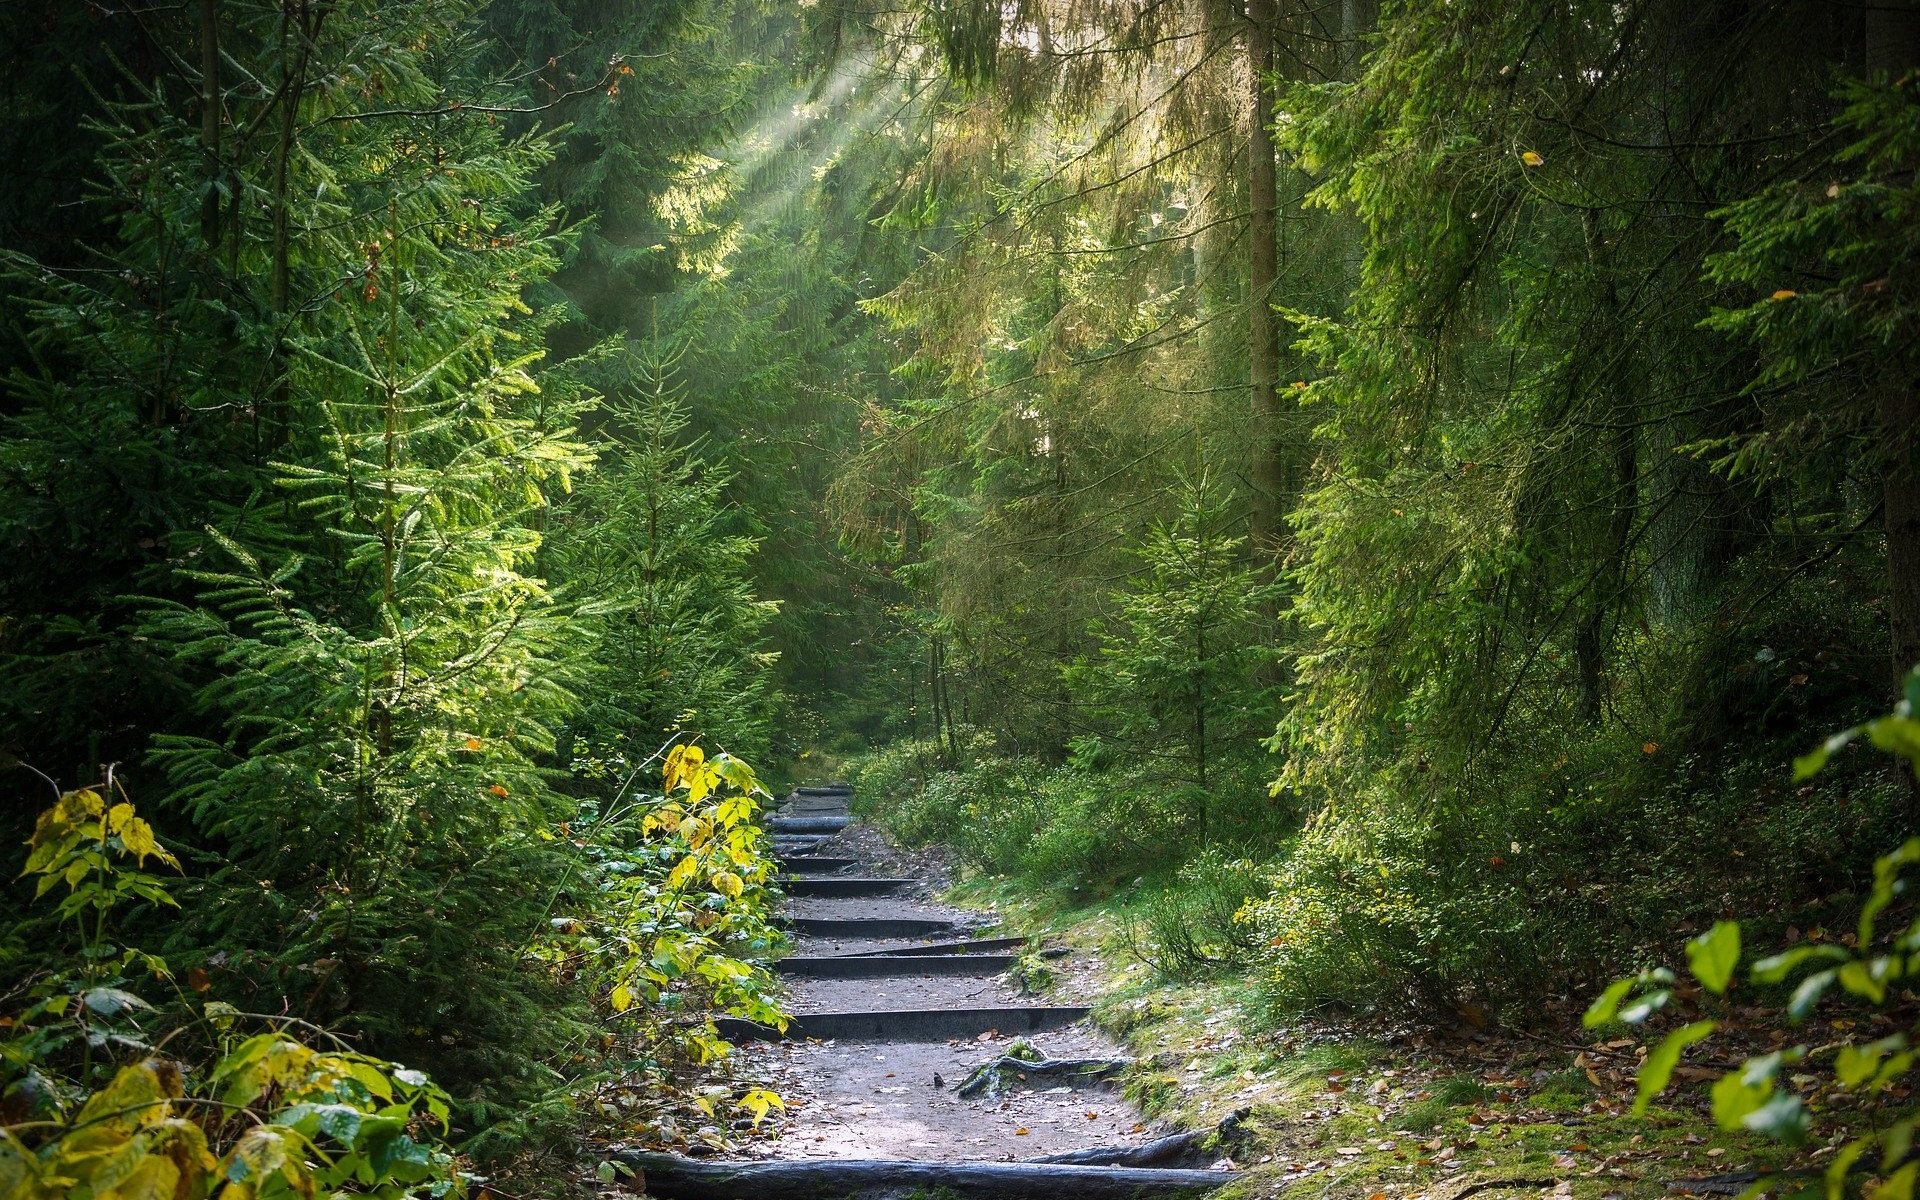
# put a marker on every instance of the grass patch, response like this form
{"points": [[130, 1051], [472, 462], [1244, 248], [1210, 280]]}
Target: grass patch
{"points": [[1424, 1116], [1334, 1058]]}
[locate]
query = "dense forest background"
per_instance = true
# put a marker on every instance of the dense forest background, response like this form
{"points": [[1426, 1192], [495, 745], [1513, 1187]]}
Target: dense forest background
{"points": [[1379, 491]]}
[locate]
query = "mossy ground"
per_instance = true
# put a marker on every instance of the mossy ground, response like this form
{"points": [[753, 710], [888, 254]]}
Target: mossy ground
{"points": [[1364, 1111]]}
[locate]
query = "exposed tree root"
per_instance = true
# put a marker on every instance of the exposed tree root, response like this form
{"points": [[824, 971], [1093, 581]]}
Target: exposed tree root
{"points": [[989, 1077]]}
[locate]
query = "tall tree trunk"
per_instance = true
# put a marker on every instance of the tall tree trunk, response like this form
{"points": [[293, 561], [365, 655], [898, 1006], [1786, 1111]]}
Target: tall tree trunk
{"points": [[1271, 452], [210, 121], [1893, 48], [1900, 491], [1604, 587]]}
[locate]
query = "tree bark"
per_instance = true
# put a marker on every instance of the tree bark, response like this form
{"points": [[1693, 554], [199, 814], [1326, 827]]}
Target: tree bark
{"points": [[1893, 49], [1271, 452], [1900, 492], [210, 121]]}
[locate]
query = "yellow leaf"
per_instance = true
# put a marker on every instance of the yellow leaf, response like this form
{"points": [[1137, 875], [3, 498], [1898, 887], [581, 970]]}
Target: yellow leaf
{"points": [[683, 871], [621, 998], [1531, 159], [735, 809], [728, 884], [1785, 294]]}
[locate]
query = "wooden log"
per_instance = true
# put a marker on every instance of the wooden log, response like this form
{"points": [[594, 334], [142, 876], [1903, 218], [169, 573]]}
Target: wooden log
{"points": [[807, 825], [815, 864], [671, 1177], [964, 946], [873, 928], [1156, 1153], [906, 1024]]}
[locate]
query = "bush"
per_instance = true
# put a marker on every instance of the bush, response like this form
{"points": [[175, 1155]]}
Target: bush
{"points": [[1192, 927], [266, 1114]]}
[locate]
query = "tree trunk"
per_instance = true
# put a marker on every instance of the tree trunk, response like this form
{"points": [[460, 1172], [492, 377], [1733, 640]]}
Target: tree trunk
{"points": [[210, 121], [1893, 48], [1900, 490], [1271, 452], [1604, 587]]}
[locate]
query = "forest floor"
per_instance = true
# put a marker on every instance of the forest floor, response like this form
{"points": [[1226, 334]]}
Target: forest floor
{"points": [[1355, 1110], [1335, 1110]]}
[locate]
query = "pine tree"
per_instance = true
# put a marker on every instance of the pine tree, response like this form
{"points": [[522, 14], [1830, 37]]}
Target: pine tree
{"points": [[651, 546], [1182, 665]]}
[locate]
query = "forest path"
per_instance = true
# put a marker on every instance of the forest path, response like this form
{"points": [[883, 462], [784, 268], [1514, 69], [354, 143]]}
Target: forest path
{"points": [[896, 1000]]}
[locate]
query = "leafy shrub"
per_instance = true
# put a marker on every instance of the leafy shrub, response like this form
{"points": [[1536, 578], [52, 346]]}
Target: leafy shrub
{"points": [[270, 1116], [1191, 927], [1781, 1092]]}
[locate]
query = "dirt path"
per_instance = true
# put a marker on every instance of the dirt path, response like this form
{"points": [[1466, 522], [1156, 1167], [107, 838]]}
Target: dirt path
{"points": [[896, 1098], [884, 1037]]}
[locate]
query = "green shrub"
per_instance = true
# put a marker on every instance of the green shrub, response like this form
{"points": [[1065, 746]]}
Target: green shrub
{"points": [[1191, 927]]}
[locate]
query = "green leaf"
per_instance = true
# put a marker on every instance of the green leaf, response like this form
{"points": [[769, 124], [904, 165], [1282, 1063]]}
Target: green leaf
{"points": [[1658, 1069], [1808, 994], [1865, 979], [1734, 1099], [1897, 735], [1713, 955], [1606, 1006], [1856, 1064], [1896, 1142], [1778, 967], [1783, 1117], [1899, 1185], [1645, 1006], [1842, 1165]]}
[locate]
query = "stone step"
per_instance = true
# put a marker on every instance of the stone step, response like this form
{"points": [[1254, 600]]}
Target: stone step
{"points": [[844, 885], [875, 928], [816, 864], [672, 1177], [878, 966], [907, 1025]]}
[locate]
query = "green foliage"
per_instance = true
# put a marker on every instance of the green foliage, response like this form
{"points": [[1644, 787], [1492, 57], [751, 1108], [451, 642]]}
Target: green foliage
{"points": [[1183, 664], [1780, 1093], [282, 453], [684, 912], [267, 1114], [1191, 926], [680, 637]]}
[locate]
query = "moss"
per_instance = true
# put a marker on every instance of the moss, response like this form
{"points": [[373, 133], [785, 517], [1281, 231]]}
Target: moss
{"points": [[1565, 1091], [1425, 1115]]}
